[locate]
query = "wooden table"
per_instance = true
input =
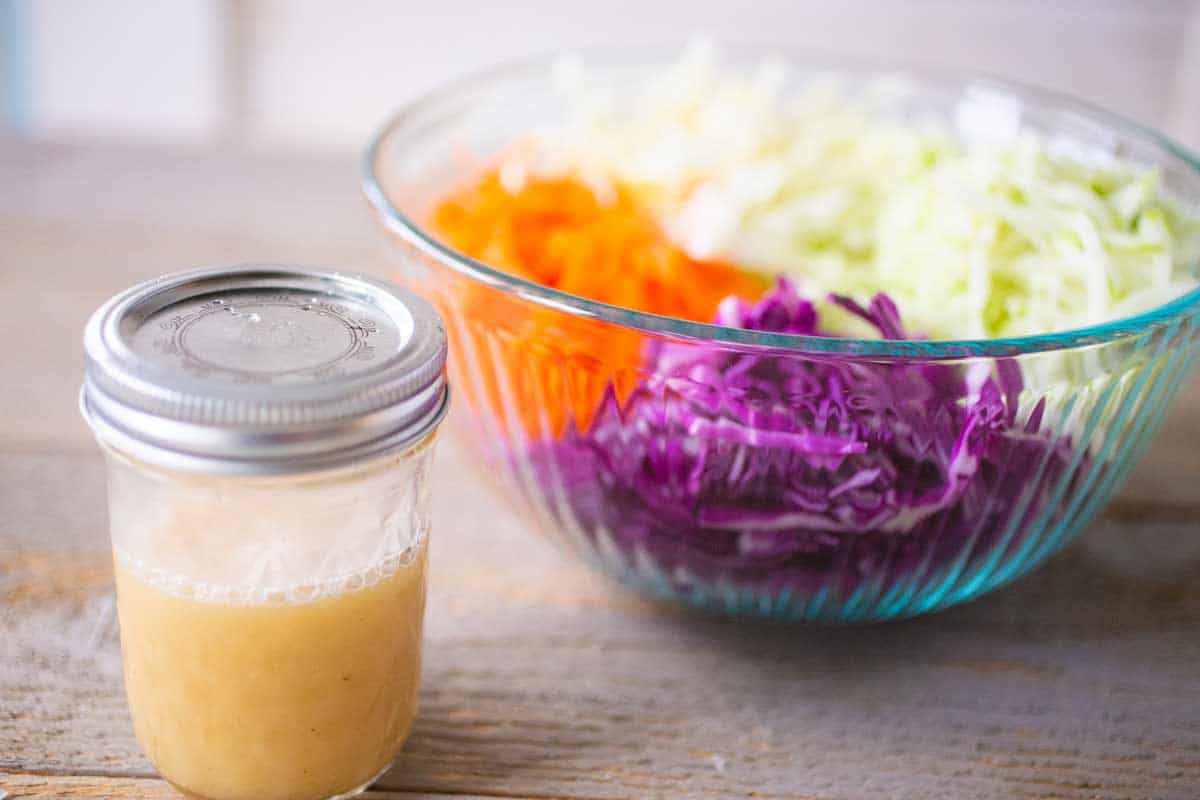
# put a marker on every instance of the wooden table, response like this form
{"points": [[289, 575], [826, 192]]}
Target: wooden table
{"points": [[541, 679]]}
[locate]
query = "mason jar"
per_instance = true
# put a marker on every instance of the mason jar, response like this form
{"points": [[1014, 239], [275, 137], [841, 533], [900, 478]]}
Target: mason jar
{"points": [[268, 432]]}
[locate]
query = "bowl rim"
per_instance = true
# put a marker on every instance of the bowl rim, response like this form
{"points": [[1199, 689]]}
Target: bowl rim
{"points": [[411, 231]]}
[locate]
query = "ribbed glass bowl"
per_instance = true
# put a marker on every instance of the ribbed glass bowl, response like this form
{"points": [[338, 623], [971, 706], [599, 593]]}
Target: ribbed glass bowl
{"points": [[555, 393]]}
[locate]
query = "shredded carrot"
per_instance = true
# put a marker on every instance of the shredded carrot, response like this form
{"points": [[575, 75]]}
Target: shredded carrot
{"points": [[557, 233]]}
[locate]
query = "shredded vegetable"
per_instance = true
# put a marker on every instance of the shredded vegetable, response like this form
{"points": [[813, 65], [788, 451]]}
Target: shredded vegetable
{"points": [[975, 226], [771, 467], [559, 234]]}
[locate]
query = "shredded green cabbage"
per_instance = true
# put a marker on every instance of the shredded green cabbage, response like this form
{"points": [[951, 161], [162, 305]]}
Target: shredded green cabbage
{"points": [[975, 227]]}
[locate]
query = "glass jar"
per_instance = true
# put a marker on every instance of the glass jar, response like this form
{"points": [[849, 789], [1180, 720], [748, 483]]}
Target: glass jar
{"points": [[268, 433]]}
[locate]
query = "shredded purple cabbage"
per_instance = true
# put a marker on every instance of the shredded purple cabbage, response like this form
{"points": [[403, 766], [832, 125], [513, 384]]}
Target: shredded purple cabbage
{"points": [[773, 467]]}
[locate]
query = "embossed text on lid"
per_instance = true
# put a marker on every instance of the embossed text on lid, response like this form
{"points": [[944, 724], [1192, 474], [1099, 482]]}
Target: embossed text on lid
{"points": [[277, 338], [263, 369]]}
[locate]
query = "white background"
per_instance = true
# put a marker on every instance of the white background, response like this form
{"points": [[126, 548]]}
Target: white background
{"points": [[297, 74]]}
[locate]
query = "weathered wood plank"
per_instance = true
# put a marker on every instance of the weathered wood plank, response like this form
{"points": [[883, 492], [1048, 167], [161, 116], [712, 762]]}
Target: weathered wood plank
{"points": [[674, 706], [541, 679], [13, 785], [25, 785]]}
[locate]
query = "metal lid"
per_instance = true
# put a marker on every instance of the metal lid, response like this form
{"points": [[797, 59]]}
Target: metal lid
{"points": [[263, 370]]}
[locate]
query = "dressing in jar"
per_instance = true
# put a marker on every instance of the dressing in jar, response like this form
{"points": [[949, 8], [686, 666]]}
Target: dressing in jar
{"points": [[268, 433]]}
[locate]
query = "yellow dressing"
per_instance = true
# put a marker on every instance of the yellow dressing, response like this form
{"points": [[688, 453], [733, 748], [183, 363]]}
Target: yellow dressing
{"points": [[265, 701]]}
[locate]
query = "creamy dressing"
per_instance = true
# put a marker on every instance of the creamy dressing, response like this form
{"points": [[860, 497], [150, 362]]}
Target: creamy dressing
{"points": [[273, 701]]}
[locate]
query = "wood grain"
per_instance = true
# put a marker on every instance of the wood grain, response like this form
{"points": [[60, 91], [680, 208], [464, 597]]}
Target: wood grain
{"points": [[14, 785], [542, 679]]}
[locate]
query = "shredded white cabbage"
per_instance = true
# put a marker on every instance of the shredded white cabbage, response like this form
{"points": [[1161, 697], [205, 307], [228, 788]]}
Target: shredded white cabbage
{"points": [[975, 227]]}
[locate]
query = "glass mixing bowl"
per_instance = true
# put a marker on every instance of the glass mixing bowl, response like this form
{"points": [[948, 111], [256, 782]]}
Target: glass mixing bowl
{"points": [[585, 414]]}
